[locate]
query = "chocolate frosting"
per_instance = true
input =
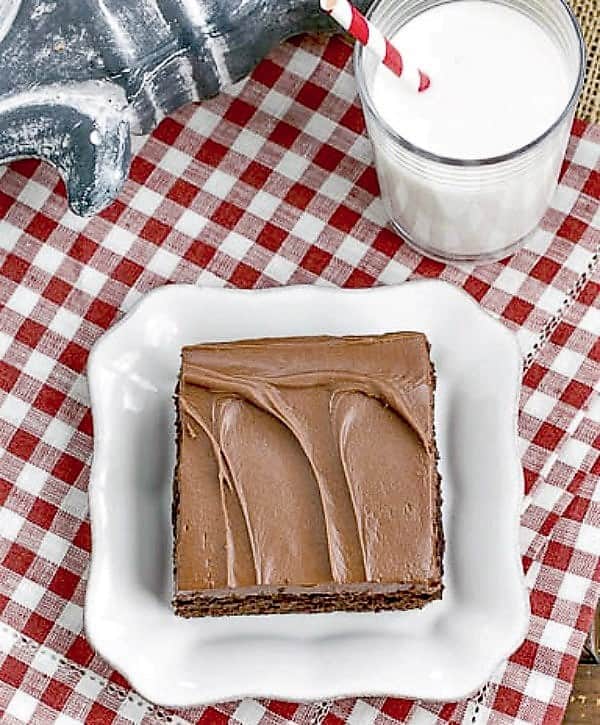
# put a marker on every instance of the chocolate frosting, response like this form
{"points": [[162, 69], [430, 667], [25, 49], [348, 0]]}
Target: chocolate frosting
{"points": [[306, 462]]}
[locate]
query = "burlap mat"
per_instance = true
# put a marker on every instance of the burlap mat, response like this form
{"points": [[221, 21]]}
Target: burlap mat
{"points": [[588, 12]]}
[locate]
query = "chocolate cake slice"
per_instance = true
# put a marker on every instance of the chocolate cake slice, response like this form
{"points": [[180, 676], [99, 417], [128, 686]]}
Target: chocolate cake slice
{"points": [[306, 476]]}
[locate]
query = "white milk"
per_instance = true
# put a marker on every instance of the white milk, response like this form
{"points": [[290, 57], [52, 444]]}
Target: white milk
{"points": [[498, 82]]}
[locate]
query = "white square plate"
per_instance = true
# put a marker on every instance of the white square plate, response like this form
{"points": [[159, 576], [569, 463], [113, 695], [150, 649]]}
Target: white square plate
{"points": [[444, 651]]}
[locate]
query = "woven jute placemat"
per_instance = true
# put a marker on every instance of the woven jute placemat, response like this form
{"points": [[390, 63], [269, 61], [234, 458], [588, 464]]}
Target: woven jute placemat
{"points": [[588, 12]]}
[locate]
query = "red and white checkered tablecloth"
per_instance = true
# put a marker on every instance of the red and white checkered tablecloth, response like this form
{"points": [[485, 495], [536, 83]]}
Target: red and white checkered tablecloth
{"points": [[269, 184]]}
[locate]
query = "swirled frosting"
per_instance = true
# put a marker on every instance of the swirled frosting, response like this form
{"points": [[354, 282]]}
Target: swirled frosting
{"points": [[307, 463]]}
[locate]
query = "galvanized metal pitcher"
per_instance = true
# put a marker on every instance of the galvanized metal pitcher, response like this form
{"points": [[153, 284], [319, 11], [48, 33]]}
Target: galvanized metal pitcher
{"points": [[77, 77]]}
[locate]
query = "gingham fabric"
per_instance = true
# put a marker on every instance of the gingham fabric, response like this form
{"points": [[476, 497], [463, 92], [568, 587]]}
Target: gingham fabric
{"points": [[272, 183]]}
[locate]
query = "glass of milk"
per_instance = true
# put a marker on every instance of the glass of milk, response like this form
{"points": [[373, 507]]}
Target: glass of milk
{"points": [[468, 167]]}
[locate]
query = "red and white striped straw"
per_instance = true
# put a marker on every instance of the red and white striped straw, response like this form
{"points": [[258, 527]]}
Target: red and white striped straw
{"points": [[355, 23]]}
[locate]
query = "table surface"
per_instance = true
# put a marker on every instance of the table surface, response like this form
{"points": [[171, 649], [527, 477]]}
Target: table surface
{"points": [[272, 183], [584, 703]]}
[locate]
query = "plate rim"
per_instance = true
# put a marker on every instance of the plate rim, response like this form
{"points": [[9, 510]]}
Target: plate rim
{"points": [[135, 680]]}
